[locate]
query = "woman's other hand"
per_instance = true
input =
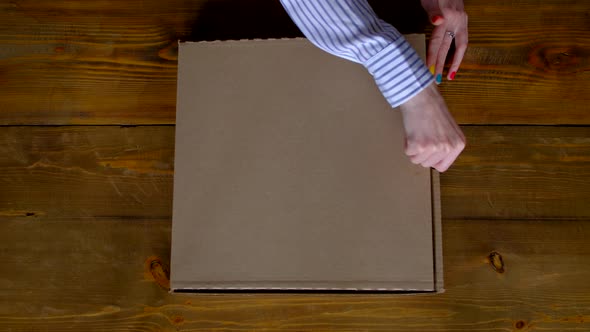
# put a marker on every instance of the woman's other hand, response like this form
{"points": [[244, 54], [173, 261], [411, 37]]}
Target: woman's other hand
{"points": [[450, 21]]}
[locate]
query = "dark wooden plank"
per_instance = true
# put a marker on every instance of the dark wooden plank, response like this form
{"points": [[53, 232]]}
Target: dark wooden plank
{"points": [[94, 275], [520, 173], [528, 63], [104, 171], [67, 172], [113, 62]]}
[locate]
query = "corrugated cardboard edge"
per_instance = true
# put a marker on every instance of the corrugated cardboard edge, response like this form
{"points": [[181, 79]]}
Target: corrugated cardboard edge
{"points": [[436, 210], [437, 246], [416, 37], [240, 41], [303, 286]]}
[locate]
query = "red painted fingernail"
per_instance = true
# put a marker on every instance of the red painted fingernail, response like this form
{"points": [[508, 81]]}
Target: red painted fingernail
{"points": [[436, 18], [453, 75]]}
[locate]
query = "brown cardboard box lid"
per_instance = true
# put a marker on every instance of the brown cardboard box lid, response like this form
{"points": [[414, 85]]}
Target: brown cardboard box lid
{"points": [[290, 175]]}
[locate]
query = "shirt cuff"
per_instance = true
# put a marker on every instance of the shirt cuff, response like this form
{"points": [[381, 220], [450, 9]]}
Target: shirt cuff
{"points": [[399, 72]]}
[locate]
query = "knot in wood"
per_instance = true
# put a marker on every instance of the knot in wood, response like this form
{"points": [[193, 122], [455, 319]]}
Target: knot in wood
{"points": [[558, 59], [497, 262]]}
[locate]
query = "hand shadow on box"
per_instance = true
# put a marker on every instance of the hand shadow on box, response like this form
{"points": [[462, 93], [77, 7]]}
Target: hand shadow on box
{"points": [[240, 19]]}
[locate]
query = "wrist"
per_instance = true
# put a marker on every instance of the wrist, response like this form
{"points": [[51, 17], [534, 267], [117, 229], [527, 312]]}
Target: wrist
{"points": [[429, 95]]}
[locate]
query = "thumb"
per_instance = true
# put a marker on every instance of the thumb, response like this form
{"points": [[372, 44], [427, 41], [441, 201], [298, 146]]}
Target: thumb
{"points": [[433, 10]]}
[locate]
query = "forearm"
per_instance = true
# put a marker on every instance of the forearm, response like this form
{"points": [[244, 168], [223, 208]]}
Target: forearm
{"points": [[351, 30]]}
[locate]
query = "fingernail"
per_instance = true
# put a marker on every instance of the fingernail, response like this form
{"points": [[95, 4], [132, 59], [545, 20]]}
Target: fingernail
{"points": [[431, 69], [436, 18], [438, 78], [453, 75]]}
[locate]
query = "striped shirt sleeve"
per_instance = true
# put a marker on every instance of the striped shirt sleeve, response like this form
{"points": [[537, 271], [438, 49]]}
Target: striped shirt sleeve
{"points": [[351, 30]]}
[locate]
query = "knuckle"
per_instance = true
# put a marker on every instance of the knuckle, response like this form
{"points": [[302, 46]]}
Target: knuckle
{"points": [[410, 144], [455, 13], [421, 146], [443, 147], [436, 39], [460, 145], [414, 160], [413, 150]]}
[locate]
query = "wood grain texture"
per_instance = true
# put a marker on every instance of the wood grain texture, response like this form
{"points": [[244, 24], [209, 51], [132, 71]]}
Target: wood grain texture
{"points": [[109, 171], [113, 62], [528, 63], [85, 211], [520, 173], [81, 172], [94, 275], [109, 62]]}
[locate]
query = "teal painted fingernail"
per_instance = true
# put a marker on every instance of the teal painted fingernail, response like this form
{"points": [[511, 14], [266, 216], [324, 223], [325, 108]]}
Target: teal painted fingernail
{"points": [[438, 78]]}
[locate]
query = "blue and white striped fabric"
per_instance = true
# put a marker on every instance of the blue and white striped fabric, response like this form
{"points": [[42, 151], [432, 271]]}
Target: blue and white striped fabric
{"points": [[351, 30]]}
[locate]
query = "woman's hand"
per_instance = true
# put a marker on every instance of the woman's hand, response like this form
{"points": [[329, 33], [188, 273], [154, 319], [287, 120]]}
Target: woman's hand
{"points": [[450, 22], [433, 139]]}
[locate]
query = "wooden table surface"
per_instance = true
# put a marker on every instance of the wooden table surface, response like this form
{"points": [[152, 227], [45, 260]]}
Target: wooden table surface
{"points": [[86, 168]]}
